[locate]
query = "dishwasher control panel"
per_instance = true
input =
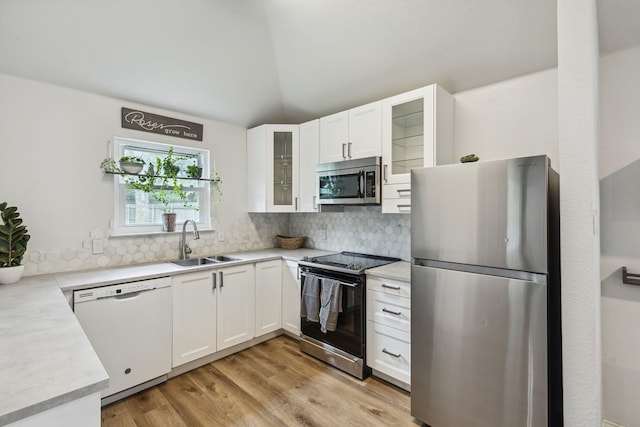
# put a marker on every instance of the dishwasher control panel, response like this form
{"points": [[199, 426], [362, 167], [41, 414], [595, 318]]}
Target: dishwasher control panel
{"points": [[119, 289]]}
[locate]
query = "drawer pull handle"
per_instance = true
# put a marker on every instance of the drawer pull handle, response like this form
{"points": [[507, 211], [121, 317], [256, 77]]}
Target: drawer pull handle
{"points": [[395, 288], [404, 190], [396, 355], [397, 313]]}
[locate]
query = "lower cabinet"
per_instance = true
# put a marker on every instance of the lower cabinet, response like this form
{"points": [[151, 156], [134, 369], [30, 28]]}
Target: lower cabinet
{"points": [[389, 329], [268, 296], [291, 298], [194, 316], [212, 310], [236, 305]]}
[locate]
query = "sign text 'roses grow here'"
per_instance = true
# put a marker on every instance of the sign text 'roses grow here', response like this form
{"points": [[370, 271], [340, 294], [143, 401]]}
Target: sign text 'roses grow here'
{"points": [[147, 122]]}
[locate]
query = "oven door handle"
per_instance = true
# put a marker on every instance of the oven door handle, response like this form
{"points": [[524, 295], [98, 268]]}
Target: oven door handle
{"points": [[351, 285]]}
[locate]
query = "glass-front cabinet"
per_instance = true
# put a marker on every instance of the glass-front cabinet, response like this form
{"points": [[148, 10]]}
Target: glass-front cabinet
{"points": [[273, 168], [417, 131]]}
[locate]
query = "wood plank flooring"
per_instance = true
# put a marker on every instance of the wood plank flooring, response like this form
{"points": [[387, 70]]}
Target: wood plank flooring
{"points": [[270, 384]]}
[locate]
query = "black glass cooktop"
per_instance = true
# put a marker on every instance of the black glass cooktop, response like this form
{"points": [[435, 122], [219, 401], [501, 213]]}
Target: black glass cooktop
{"points": [[352, 261]]}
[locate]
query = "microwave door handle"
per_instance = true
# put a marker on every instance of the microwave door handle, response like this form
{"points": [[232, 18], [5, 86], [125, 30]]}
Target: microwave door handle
{"points": [[362, 190]]}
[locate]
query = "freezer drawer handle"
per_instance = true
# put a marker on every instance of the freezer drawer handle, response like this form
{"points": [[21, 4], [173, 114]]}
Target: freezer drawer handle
{"points": [[396, 355], [397, 313], [395, 288]]}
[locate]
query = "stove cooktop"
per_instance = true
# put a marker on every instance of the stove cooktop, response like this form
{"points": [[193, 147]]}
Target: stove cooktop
{"points": [[351, 262]]}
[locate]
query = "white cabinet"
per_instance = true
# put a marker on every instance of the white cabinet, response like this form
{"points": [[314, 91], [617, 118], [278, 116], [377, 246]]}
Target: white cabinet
{"points": [[389, 329], [268, 296], [212, 310], [417, 131], [351, 134], [273, 168], [309, 157], [291, 298], [235, 305], [194, 316]]}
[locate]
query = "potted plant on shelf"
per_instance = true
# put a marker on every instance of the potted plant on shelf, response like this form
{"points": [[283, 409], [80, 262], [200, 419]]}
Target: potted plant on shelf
{"points": [[13, 244], [131, 164], [161, 180]]}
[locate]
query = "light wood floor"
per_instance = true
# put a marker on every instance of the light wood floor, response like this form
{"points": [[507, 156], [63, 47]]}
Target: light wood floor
{"points": [[271, 384]]}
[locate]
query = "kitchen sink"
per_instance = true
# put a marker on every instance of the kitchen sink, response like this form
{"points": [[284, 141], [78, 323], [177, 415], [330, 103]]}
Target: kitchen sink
{"points": [[192, 262], [222, 258]]}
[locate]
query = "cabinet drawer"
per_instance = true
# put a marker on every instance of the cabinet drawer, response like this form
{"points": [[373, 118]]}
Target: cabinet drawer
{"points": [[389, 286], [397, 191], [389, 351], [390, 310]]}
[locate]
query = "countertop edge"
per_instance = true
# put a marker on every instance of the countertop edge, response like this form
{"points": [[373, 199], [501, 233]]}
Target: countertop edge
{"points": [[400, 270], [53, 402]]}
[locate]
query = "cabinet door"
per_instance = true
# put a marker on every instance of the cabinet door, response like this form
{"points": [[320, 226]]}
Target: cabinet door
{"points": [[365, 131], [236, 305], [273, 168], [268, 296], [334, 136], [291, 298], [309, 157], [417, 131], [194, 316], [282, 168]]}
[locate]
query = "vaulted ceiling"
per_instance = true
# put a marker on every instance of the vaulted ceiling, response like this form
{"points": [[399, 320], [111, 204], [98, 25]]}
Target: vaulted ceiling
{"points": [[249, 62]]}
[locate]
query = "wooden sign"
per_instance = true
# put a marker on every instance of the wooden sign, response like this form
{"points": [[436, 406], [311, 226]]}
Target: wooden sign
{"points": [[147, 122]]}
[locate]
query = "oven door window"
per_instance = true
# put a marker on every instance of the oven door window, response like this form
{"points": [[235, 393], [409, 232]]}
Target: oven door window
{"points": [[345, 186], [349, 333]]}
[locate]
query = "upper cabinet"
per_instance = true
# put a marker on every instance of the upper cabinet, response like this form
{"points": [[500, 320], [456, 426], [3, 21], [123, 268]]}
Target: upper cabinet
{"points": [[309, 157], [351, 134], [273, 168], [417, 131]]}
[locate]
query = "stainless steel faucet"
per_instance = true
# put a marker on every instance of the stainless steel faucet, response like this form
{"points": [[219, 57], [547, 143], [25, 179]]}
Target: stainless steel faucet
{"points": [[185, 250]]}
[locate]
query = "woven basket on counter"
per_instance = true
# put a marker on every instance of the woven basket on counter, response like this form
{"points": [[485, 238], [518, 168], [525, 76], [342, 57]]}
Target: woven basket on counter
{"points": [[287, 242]]}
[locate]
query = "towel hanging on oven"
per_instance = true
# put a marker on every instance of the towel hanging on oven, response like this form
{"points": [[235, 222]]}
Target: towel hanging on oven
{"points": [[310, 304], [330, 304]]}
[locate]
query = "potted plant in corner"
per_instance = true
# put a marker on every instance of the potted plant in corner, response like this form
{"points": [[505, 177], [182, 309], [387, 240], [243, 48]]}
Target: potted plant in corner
{"points": [[13, 244]]}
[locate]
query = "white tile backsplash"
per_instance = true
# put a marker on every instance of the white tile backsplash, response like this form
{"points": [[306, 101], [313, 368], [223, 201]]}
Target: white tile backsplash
{"points": [[357, 229]]}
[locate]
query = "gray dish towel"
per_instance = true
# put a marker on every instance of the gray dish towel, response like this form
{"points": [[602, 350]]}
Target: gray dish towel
{"points": [[330, 304], [310, 304]]}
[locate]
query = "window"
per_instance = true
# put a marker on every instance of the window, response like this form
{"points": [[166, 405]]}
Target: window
{"points": [[137, 211]]}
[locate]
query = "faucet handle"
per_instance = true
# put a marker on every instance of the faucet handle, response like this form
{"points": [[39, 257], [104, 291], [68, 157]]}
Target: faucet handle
{"points": [[187, 249]]}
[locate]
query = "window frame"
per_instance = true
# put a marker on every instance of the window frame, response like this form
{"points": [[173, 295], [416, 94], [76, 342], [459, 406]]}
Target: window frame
{"points": [[119, 225]]}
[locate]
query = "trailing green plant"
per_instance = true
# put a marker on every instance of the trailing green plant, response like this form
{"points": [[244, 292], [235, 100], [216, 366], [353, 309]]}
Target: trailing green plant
{"points": [[13, 236], [131, 159], [161, 178]]}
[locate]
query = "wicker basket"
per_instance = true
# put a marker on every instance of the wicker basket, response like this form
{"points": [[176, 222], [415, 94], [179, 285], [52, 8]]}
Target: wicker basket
{"points": [[287, 242]]}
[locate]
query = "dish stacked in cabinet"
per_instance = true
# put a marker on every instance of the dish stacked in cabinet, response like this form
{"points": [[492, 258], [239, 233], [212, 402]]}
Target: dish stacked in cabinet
{"points": [[389, 330]]}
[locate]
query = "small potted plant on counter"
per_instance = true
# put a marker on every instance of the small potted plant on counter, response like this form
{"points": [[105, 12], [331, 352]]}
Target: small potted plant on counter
{"points": [[13, 244]]}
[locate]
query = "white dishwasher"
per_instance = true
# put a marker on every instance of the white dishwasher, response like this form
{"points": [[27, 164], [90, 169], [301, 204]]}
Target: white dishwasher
{"points": [[129, 326]]}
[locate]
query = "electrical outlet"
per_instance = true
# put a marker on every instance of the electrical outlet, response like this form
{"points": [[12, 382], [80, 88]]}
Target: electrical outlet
{"points": [[220, 236], [97, 246]]}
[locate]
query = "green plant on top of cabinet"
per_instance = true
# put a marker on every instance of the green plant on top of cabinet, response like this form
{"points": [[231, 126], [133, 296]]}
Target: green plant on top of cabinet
{"points": [[351, 134], [273, 168], [417, 131]]}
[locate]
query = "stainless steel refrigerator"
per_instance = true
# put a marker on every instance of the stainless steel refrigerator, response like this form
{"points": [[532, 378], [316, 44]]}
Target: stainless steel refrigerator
{"points": [[485, 294]]}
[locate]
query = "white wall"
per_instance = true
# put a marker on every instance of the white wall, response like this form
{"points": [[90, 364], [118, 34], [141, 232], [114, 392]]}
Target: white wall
{"points": [[619, 158], [52, 141], [514, 118]]}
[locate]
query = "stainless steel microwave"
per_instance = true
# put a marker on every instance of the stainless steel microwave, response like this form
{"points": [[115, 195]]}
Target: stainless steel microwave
{"points": [[350, 182]]}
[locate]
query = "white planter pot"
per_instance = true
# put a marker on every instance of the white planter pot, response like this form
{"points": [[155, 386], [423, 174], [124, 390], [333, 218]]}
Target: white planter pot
{"points": [[10, 275]]}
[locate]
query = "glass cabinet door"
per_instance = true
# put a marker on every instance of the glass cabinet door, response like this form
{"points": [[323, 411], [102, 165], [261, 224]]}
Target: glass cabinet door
{"points": [[282, 168], [407, 137]]}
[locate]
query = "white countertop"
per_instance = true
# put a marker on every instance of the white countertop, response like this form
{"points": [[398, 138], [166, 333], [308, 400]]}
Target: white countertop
{"points": [[400, 270], [45, 357]]}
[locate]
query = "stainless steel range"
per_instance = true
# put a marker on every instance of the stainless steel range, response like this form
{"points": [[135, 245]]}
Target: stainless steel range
{"points": [[333, 312]]}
